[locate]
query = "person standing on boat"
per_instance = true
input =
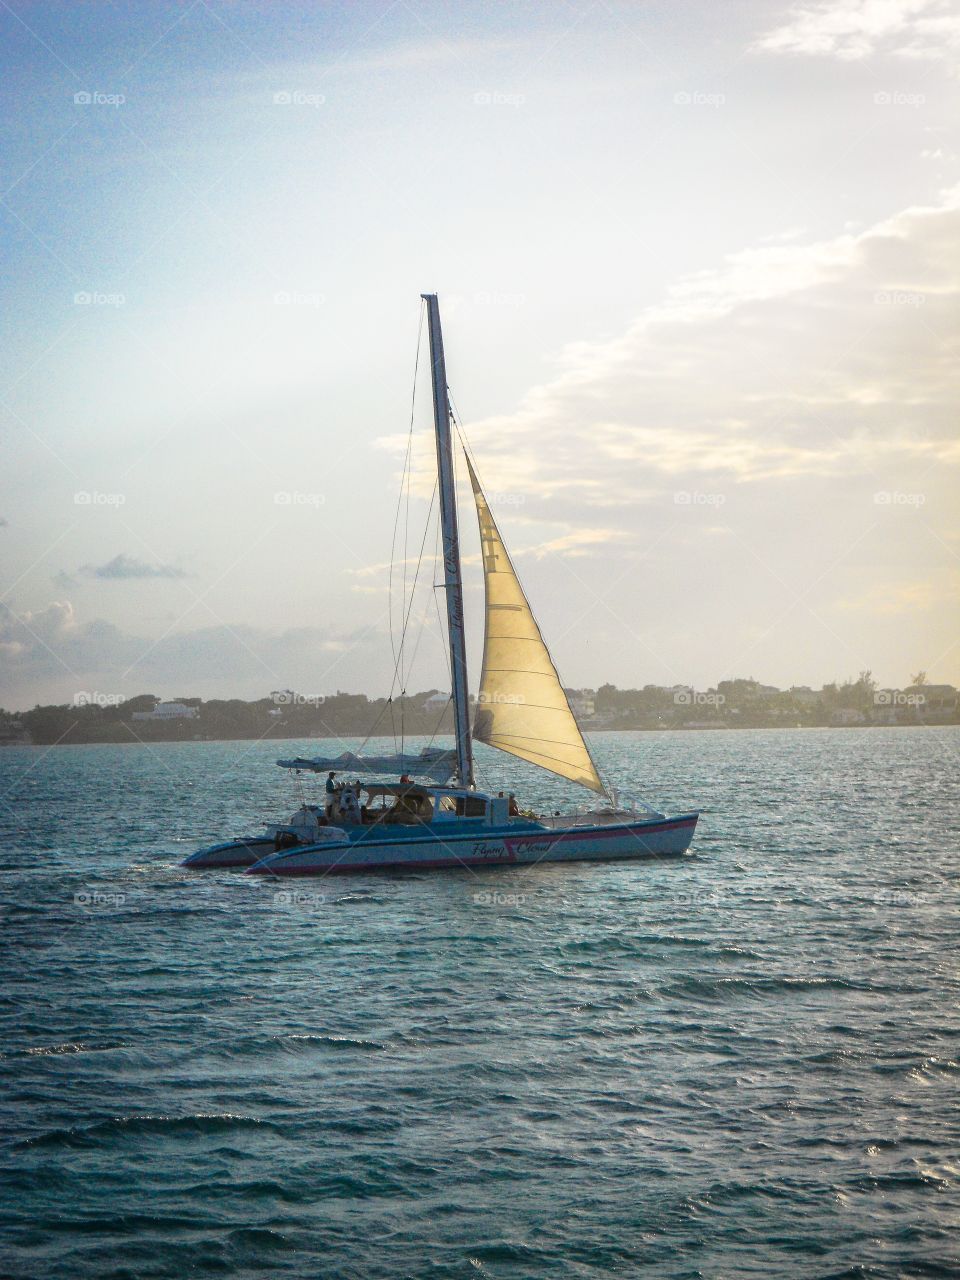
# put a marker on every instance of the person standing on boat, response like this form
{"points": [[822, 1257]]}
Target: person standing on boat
{"points": [[331, 792], [513, 809]]}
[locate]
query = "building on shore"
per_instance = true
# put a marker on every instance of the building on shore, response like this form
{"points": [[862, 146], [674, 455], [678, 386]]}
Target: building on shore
{"points": [[169, 711]]}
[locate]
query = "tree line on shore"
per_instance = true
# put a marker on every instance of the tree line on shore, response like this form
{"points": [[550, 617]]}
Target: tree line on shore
{"points": [[92, 718]]}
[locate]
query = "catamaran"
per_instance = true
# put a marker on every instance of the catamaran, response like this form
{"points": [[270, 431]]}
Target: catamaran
{"points": [[521, 709]]}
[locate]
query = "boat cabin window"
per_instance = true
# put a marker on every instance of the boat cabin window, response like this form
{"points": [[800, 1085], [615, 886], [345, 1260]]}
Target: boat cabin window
{"points": [[464, 806]]}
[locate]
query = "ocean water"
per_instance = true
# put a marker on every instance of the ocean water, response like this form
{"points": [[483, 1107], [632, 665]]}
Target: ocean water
{"points": [[742, 1063]]}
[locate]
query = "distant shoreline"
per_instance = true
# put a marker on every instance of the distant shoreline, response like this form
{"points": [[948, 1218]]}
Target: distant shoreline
{"points": [[725, 728]]}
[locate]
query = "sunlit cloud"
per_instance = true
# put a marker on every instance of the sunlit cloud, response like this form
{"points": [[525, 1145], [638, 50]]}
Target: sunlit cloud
{"points": [[821, 359], [856, 29]]}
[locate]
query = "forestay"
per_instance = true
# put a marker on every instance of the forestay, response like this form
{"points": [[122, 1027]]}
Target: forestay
{"points": [[521, 706]]}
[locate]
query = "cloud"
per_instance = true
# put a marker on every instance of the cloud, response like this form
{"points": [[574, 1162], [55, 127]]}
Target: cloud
{"points": [[888, 599], [25, 633], [51, 654], [579, 542], [855, 29], [826, 359], [123, 567], [4, 522]]}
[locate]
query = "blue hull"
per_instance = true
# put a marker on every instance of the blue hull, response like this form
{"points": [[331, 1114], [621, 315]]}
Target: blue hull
{"points": [[517, 844]]}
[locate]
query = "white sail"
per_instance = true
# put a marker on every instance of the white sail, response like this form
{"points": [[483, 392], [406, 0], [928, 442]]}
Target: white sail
{"points": [[521, 706]]}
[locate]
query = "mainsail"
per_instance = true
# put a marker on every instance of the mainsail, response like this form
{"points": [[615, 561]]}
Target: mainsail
{"points": [[521, 706]]}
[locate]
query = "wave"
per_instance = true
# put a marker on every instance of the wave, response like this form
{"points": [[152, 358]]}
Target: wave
{"points": [[201, 1124]]}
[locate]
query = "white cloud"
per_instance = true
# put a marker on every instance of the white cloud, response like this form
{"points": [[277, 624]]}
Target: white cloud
{"points": [[828, 358], [855, 29]]}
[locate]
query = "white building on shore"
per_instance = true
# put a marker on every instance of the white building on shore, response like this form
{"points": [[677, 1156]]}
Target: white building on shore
{"points": [[169, 711]]}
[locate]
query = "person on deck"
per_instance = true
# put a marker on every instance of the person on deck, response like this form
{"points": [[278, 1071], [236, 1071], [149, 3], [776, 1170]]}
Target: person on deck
{"points": [[331, 792], [405, 777], [513, 809]]}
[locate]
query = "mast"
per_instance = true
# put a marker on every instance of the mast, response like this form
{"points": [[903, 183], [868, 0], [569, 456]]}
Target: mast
{"points": [[453, 581]]}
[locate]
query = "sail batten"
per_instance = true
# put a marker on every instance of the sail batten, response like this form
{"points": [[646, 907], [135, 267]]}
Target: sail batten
{"points": [[521, 707]]}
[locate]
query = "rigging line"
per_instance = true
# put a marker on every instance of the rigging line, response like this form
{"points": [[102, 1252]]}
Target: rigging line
{"points": [[416, 576], [393, 723], [436, 601], [380, 714], [408, 471], [406, 463], [426, 530], [438, 724], [398, 655]]}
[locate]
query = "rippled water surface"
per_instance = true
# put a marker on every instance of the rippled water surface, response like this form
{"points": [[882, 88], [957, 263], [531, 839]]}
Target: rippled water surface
{"points": [[742, 1063]]}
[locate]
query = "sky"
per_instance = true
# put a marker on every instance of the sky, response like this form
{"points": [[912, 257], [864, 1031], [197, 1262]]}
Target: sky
{"points": [[698, 270]]}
